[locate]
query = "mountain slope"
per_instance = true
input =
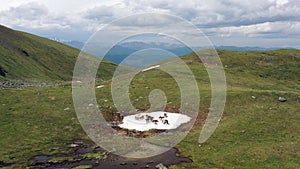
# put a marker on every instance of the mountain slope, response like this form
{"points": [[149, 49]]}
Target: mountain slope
{"points": [[28, 57], [256, 130], [275, 69]]}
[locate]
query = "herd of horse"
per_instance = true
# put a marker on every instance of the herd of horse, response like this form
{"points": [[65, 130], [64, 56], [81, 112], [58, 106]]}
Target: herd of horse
{"points": [[149, 119]]}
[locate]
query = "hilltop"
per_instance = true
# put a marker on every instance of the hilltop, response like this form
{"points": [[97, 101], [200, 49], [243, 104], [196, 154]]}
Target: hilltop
{"points": [[24, 56]]}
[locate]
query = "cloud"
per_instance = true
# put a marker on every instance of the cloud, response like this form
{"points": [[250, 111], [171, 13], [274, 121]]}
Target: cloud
{"points": [[218, 13], [220, 18], [32, 15], [206, 14], [267, 29]]}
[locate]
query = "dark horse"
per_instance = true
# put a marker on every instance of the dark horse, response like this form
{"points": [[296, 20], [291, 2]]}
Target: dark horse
{"points": [[166, 122], [161, 117]]}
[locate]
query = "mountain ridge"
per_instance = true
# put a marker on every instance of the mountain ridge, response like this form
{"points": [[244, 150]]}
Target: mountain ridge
{"points": [[24, 56]]}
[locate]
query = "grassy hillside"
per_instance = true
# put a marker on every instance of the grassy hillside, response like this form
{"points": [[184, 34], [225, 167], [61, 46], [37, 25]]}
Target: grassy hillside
{"points": [[256, 130], [28, 57], [269, 70]]}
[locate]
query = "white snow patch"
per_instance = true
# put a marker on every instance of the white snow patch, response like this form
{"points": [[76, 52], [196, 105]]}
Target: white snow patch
{"points": [[149, 68], [98, 87], [138, 123]]}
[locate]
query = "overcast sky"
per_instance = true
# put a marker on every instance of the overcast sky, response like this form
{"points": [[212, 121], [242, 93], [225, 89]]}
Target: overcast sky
{"points": [[265, 23]]}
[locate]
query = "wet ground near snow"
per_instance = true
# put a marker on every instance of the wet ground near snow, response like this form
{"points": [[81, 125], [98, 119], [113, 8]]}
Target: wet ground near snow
{"points": [[107, 161]]}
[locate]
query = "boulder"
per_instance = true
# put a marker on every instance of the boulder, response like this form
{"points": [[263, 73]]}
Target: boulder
{"points": [[161, 166], [282, 99], [2, 72]]}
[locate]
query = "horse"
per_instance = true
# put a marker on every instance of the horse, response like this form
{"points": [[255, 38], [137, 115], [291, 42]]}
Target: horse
{"points": [[139, 117], [149, 118], [155, 121], [161, 117], [166, 122]]}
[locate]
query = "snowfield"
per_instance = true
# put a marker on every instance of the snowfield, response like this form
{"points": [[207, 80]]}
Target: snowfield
{"points": [[161, 120], [150, 68]]}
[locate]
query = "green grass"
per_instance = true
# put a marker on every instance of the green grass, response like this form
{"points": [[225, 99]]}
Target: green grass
{"points": [[253, 133], [33, 121], [28, 57], [262, 134]]}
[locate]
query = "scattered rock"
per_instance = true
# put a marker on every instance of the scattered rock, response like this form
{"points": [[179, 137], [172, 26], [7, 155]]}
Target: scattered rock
{"points": [[67, 109], [2, 72], [253, 97], [9, 84], [282, 99], [52, 98], [161, 166], [74, 145], [78, 142], [25, 53], [123, 163], [113, 150]]}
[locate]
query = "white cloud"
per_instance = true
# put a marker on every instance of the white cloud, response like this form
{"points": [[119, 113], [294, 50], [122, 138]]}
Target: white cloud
{"points": [[32, 15], [267, 29], [220, 18], [5, 5]]}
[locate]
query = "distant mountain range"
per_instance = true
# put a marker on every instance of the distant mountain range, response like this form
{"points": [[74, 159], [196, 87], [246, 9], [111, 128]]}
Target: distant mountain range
{"points": [[137, 45], [177, 49], [246, 48], [121, 51]]}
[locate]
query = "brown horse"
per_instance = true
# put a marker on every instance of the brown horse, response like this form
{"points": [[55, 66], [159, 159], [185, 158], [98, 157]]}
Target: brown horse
{"points": [[155, 121]]}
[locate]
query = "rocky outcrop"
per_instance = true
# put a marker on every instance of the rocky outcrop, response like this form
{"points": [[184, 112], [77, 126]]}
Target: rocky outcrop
{"points": [[161, 166], [2, 72], [9, 84], [282, 99]]}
